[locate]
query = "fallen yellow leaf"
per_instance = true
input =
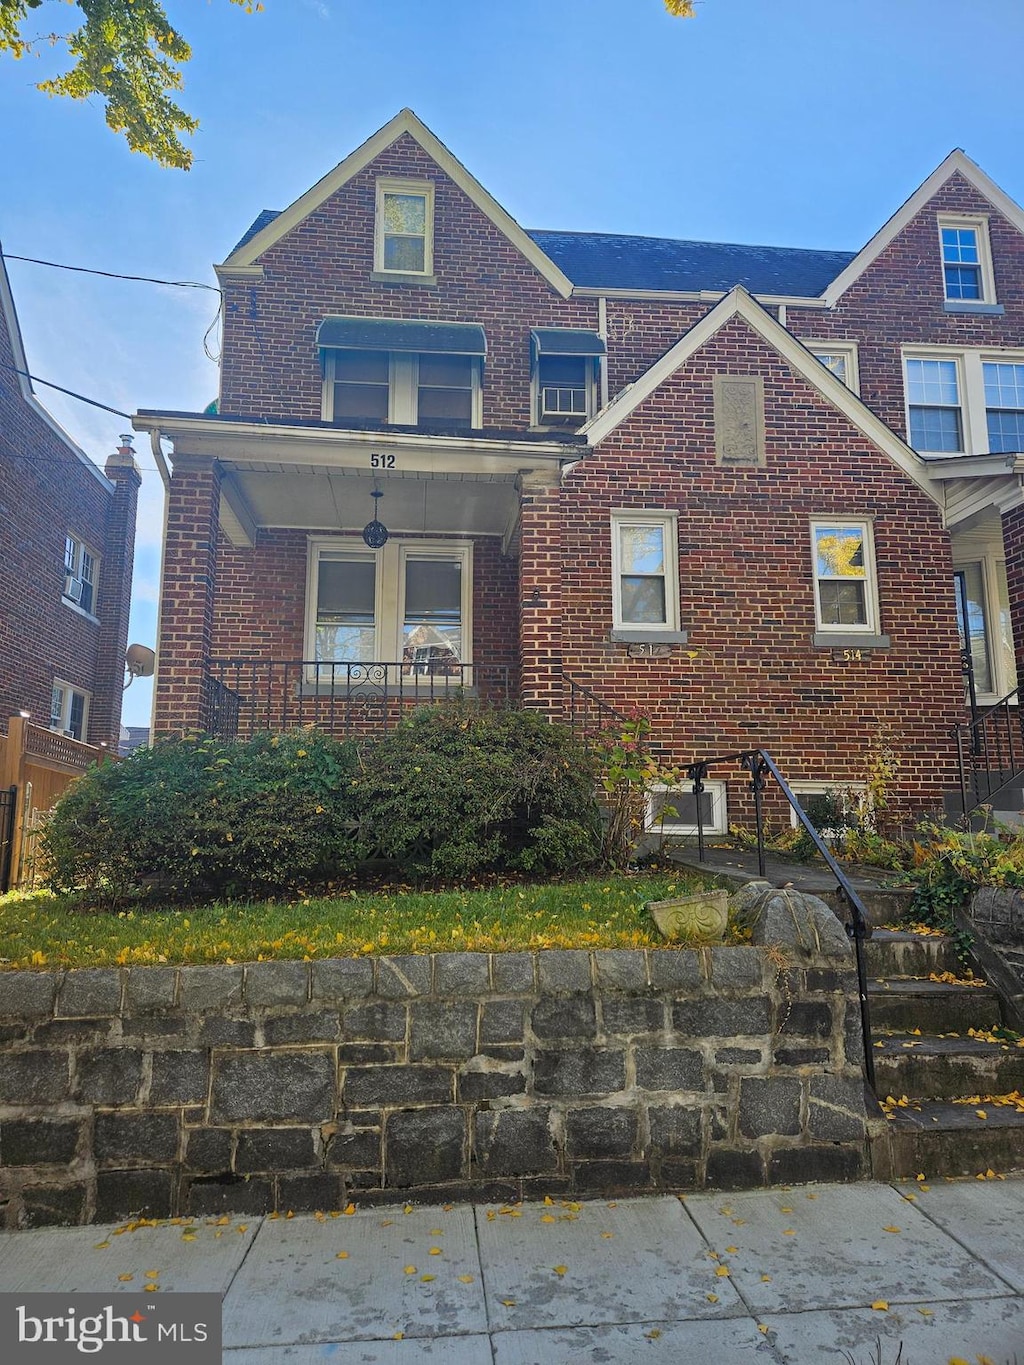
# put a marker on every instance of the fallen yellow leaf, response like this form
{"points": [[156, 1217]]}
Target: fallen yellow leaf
{"points": [[766, 1279], [789, 1232], [100, 1246], [342, 1256], [349, 1209], [125, 1278], [398, 1336], [721, 1270], [762, 1328], [560, 1269], [981, 1113], [465, 1279], [653, 1334], [410, 1270], [607, 1234], [881, 1305], [548, 1218], [711, 1298], [435, 1251], [732, 1250], [926, 1312], [509, 1303], [891, 1228], [549, 1201], [425, 1279]]}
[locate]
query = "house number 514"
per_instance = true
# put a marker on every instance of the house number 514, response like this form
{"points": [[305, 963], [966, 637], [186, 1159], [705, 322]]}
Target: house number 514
{"points": [[382, 461]]}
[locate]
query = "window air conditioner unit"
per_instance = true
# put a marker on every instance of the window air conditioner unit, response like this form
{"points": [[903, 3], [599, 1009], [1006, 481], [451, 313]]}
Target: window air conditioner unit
{"points": [[557, 402], [68, 734], [73, 588]]}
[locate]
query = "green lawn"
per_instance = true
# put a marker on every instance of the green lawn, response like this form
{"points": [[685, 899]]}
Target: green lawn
{"points": [[40, 930]]}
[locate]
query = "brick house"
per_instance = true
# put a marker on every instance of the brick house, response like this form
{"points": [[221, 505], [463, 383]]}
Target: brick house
{"points": [[757, 492], [67, 540]]}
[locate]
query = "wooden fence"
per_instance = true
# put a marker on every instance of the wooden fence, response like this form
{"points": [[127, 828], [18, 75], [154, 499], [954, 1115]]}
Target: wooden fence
{"points": [[40, 763]]}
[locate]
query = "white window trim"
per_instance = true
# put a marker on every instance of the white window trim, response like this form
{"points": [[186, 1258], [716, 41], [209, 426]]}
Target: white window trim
{"points": [[674, 825], [669, 521], [403, 389], [871, 627], [963, 558], [389, 594], [70, 690], [847, 349], [971, 384], [978, 222], [801, 788], [81, 546], [419, 187]]}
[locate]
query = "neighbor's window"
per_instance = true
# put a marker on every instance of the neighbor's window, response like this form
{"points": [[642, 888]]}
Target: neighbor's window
{"points": [[966, 260], [81, 572], [645, 562], [405, 227], [1004, 406], [69, 710], [933, 403], [844, 586]]}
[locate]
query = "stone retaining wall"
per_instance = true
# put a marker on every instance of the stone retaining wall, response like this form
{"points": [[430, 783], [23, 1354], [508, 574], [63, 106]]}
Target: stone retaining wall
{"points": [[301, 1085]]}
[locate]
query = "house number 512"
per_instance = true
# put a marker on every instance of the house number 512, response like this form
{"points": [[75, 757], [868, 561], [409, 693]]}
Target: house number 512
{"points": [[382, 461]]}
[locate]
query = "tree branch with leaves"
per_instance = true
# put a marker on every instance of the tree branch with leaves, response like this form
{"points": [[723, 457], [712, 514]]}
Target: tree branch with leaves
{"points": [[129, 54]]}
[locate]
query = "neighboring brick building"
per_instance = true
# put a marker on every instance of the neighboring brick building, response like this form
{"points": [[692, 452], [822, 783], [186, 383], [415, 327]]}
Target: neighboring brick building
{"points": [[615, 468], [67, 538]]}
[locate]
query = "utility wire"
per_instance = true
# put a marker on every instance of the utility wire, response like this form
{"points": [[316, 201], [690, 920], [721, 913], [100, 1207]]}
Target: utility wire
{"points": [[112, 274], [94, 403]]}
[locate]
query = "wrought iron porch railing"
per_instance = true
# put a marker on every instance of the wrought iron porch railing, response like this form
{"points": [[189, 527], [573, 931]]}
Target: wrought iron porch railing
{"points": [[990, 751], [588, 714], [245, 696], [760, 764]]}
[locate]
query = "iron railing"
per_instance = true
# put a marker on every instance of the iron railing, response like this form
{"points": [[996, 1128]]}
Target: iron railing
{"points": [[245, 696], [589, 716], [990, 751], [761, 765]]}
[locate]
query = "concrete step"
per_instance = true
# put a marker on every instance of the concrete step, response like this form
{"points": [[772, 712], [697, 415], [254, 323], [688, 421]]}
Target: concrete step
{"points": [[903, 1003], [946, 1068], [898, 952], [939, 1138]]}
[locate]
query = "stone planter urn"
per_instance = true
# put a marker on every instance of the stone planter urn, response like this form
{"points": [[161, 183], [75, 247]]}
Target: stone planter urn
{"points": [[700, 918]]}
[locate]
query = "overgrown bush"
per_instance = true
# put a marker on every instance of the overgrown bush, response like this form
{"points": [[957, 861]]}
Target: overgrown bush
{"points": [[459, 789], [202, 819]]}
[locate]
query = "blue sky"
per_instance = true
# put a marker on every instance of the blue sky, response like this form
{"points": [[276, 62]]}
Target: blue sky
{"points": [[802, 123]]}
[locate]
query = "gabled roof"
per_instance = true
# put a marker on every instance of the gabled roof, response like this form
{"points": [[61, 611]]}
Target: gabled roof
{"points": [[956, 161], [605, 260], [738, 303], [276, 225]]}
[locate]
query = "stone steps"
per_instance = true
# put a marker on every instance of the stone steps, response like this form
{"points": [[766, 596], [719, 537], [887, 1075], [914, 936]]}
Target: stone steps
{"points": [[939, 1138], [898, 952], [902, 1003], [945, 1068]]}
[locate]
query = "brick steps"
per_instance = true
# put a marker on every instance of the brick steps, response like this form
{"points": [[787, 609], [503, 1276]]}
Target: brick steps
{"points": [[923, 1051]]}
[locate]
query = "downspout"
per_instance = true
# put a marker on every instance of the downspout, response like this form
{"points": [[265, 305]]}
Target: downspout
{"points": [[165, 477], [602, 368]]}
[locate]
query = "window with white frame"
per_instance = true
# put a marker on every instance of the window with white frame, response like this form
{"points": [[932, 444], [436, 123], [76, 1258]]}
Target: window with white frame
{"points": [[673, 810], [845, 591], [404, 239], [408, 604], [983, 619], [69, 710], [851, 799], [840, 358], [965, 402], [81, 574], [645, 571], [402, 388], [966, 260]]}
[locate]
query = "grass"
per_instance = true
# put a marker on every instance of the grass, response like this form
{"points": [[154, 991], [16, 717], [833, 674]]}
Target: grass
{"points": [[41, 930]]}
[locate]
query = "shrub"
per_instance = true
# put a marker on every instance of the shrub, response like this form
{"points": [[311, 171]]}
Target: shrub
{"points": [[458, 789], [205, 818]]}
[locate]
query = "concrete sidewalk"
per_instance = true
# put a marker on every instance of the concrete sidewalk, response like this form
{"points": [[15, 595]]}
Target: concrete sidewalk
{"points": [[808, 1275]]}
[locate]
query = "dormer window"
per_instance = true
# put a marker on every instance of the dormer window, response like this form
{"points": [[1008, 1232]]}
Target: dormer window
{"points": [[404, 239], [966, 263], [565, 375]]}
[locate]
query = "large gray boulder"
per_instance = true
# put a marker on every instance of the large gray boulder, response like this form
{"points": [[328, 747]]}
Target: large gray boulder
{"points": [[780, 916]]}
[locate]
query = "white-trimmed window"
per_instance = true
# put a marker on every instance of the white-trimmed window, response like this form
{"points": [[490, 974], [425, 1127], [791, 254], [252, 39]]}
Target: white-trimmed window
{"points": [[845, 590], [965, 402], [434, 389], [840, 357], [404, 238], [966, 260], [408, 604], [673, 810], [69, 710], [852, 798], [645, 571], [983, 619], [81, 574]]}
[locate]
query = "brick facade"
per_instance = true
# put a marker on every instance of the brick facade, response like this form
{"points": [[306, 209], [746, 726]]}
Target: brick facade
{"points": [[750, 672], [48, 490]]}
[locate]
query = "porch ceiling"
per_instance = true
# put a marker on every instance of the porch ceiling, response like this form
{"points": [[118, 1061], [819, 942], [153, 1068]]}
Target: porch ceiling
{"points": [[314, 498]]}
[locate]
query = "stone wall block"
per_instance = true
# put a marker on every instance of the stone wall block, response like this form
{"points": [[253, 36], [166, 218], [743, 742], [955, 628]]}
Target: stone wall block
{"points": [[317, 1192], [24, 995], [621, 969], [149, 988], [375, 1021], [283, 1086], [53, 1205], [669, 1068], [490, 1082], [578, 1071], [674, 969], [513, 973], [837, 1109], [461, 974], [319, 1026], [601, 1132], [90, 991], [386, 1085], [346, 978], [425, 1146], [208, 1149], [216, 1031], [502, 1021], [563, 970], [209, 988], [736, 969], [564, 1017], [110, 1075], [805, 1018], [717, 1018], [33, 1077], [39, 1142], [442, 1029], [359, 1150], [274, 1149], [769, 1104], [730, 1168], [133, 1194], [514, 1142], [675, 1130], [629, 1015], [180, 1077], [276, 983], [398, 978], [144, 1138]]}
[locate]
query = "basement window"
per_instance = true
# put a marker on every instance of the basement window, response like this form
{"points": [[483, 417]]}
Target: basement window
{"points": [[673, 810]]}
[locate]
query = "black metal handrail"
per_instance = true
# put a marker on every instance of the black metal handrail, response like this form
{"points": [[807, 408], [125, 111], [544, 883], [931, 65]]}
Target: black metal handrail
{"points": [[758, 762], [246, 695], [990, 751], [589, 714]]}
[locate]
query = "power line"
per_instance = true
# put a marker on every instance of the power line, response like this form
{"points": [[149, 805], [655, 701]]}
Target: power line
{"points": [[112, 274], [93, 402]]}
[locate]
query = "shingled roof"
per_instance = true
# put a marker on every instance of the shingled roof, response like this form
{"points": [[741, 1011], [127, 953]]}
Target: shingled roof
{"points": [[608, 260]]}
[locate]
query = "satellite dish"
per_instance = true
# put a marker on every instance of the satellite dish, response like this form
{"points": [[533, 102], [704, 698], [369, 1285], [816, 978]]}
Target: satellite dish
{"points": [[140, 661]]}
